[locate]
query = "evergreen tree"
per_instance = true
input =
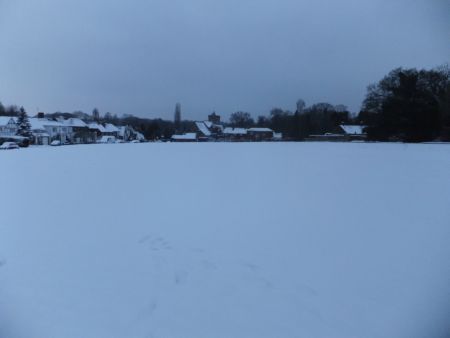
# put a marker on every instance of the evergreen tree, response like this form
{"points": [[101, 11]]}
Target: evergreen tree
{"points": [[23, 123], [2, 110]]}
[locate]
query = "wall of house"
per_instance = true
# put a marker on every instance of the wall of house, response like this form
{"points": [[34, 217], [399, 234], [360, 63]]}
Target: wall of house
{"points": [[9, 130]]}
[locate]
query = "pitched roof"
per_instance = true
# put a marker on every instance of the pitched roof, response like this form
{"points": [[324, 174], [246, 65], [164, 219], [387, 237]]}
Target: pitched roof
{"points": [[203, 128], [235, 131], [111, 128], [75, 122], [353, 129], [4, 120], [96, 126], [37, 124]]}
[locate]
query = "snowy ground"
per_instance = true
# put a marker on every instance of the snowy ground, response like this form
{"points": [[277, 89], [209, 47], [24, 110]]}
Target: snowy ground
{"points": [[225, 241]]}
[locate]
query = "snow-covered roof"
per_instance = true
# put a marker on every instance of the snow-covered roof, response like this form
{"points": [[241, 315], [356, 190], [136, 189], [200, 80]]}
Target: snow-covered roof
{"points": [[4, 120], [188, 136], [203, 128], [278, 136], [96, 126], [40, 124], [111, 128], [37, 124], [235, 131], [52, 123], [209, 124], [353, 129], [75, 122], [140, 136], [261, 130]]}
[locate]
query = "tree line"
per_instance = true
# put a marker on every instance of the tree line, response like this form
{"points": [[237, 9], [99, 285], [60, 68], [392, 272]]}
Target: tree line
{"points": [[407, 105], [319, 118]]}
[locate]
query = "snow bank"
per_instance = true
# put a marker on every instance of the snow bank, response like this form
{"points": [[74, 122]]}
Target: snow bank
{"points": [[225, 240]]}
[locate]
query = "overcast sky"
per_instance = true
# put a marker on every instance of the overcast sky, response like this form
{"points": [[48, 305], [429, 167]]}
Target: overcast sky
{"points": [[143, 56]]}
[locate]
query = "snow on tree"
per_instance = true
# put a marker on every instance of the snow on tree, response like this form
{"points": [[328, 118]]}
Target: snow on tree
{"points": [[23, 123]]}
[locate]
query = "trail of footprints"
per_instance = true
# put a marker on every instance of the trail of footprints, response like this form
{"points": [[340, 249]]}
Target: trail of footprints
{"points": [[155, 243]]}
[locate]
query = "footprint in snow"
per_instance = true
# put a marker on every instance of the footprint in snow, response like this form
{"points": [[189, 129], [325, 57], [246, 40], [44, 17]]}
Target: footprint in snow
{"points": [[155, 243], [180, 277], [208, 265]]}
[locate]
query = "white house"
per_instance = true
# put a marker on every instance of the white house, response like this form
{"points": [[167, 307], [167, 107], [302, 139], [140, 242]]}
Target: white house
{"points": [[57, 130], [80, 132], [8, 126], [111, 130], [38, 132], [97, 128]]}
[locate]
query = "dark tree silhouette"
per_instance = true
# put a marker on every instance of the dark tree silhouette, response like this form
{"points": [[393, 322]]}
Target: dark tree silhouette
{"points": [[96, 114], [23, 123], [241, 120], [177, 117], [407, 105]]}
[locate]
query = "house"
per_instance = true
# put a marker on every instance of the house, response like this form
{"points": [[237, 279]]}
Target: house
{"points": [[111, 130], [260, 134], [203, 130], [8, 126], [139, 136], [107, 139], [342, 133], [80, 131], [125, 133], [56, 129], [353, 132], [278, 136], [207, 130], [39, 134], [189, 137], [97, 128], [235, 134]]}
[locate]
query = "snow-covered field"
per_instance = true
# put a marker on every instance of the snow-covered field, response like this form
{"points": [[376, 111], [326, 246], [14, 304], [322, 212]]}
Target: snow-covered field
{"points": [[277, 240]]}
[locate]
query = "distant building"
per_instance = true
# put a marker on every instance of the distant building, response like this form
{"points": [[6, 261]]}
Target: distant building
{"points": [[214, 118], [342, 133], [97, 128], [235, 134], [107, 139], [260, 134], [39, 134], [354, 132], [111, 130], [8, 126], [56, 129], [189, 137], [203, 129], [80, 132]]}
